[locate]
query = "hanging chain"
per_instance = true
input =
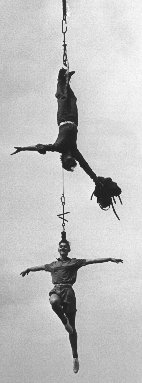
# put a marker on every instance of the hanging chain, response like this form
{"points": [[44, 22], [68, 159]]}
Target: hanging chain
{"points": [[62, 215], [64, 30], [65, 62]]}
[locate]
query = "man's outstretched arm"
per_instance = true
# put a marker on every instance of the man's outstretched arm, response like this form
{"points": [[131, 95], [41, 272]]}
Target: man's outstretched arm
{"points": [[102, 260], [85, 166], [40, 148], [33, 269]]}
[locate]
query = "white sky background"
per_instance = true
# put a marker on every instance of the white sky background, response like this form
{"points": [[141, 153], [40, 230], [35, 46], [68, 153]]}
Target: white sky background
{"points": [[105, 49]]}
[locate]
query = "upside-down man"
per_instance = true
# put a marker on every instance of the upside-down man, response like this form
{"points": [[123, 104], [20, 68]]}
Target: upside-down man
{"points": [[66, 142]]}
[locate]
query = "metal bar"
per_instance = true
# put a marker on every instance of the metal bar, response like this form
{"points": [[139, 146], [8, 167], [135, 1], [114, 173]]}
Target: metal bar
{"points": [[58, 215]]}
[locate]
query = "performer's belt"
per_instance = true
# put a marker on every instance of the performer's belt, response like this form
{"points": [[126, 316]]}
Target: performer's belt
{"points": [[63, 284], [67, 122]]}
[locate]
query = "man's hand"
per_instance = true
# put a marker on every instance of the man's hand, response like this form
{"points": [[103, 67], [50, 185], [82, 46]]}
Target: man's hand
{"points": [[25, 272], [18, 149], [116, 260], [41, 148]]}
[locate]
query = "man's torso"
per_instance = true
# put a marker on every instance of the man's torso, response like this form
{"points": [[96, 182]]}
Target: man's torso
{"points": [[64, 272]]}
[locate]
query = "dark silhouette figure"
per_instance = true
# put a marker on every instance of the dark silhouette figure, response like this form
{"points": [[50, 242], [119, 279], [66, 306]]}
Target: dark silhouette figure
{"points": [[66, 143]]}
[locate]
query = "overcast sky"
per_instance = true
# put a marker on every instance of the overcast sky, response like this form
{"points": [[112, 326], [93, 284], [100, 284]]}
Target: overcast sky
{"points": [[105, 49]]}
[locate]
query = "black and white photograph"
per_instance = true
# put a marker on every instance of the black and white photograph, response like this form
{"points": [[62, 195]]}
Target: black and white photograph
{"points": [[71, 187]]}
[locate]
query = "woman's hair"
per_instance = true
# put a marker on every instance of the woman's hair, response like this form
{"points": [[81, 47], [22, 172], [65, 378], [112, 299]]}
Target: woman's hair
{"points": [[68, 162], [67, 243]]}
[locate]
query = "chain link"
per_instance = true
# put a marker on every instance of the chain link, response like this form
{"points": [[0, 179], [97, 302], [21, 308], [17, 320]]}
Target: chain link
{"points": [[64, 31], [63, 199], [64, 8]]}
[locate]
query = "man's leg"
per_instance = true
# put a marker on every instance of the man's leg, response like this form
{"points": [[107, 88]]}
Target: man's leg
{"points": [[67, 108], [62, 85], [73, 336], [55, 302], [73, 342]]}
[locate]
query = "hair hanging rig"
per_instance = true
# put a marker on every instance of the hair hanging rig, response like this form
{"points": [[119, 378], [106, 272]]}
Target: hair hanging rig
{"points": [[62, 215]]}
